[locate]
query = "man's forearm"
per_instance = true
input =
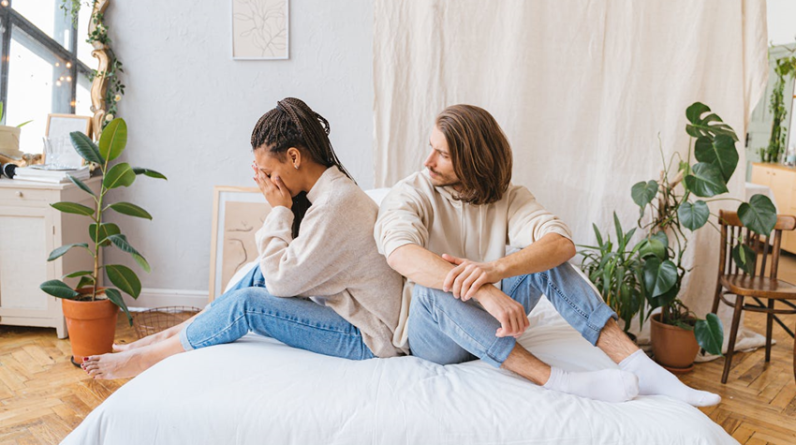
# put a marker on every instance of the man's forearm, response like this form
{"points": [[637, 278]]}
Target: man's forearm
{"points": [[420, 265], [552, 250]]}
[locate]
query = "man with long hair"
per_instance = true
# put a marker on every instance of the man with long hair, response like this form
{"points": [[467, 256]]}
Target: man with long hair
{"points": [[446, 229]]}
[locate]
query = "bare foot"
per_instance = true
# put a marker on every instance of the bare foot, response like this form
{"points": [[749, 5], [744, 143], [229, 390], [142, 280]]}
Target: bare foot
{"points": [[146, 341], [119, 365]]}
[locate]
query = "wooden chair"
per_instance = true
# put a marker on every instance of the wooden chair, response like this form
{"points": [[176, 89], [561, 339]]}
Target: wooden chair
{"points": [[757, 285]]}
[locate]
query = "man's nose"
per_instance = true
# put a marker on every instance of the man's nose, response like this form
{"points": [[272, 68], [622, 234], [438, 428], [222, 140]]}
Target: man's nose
{"points": [[429, 162]]}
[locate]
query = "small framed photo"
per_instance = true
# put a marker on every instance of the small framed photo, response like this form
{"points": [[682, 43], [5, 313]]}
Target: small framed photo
{"points": [[260, 29], [58, 149], [238, 213]]}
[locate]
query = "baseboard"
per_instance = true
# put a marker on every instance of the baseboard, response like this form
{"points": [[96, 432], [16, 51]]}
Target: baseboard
{"points": [[150, 298]]}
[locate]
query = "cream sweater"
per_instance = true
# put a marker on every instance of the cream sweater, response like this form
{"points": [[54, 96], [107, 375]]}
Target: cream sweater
{"points": [[417, 212], [335, 257]]}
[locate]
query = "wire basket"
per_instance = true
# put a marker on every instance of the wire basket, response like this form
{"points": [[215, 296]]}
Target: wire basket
{"points": [[152, 321]]}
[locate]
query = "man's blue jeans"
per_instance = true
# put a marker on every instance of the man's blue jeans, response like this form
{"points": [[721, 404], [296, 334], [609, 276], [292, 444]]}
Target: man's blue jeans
{"points": [[445, 330], [297, 322]]}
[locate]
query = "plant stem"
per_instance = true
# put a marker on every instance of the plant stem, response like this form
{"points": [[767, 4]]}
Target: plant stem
{"points": [[98, 221]]}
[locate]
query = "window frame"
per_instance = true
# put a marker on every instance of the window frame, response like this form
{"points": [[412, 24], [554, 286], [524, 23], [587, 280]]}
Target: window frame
{"points": [[9, 19]]}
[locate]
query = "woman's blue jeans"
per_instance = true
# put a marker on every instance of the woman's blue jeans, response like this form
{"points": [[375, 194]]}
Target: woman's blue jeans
{"points": [[445, 330], [297, 322]]}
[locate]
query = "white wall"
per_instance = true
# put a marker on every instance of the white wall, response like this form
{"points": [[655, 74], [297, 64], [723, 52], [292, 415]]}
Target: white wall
{"points": [[781, 20], [190, 110]]}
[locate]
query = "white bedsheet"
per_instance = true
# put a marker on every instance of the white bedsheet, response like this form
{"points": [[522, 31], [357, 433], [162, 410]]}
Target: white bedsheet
{"points": [[260, 391]]}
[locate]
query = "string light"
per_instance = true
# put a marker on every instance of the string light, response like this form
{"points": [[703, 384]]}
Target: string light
{"points": [[61, 78], [68, 78], [4, 3], [57, 64], [58, 83], [69, 64]]}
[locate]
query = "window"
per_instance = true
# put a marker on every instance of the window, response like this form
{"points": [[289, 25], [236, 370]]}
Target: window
{"points": [[43, 68]]}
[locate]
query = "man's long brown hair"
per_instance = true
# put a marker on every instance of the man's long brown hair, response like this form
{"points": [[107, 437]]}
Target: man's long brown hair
{"points": [[479, 151]]}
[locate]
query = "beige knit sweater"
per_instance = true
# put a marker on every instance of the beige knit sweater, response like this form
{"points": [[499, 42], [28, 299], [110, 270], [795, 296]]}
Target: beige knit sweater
{"points": [[417, 212], [335, 257]]}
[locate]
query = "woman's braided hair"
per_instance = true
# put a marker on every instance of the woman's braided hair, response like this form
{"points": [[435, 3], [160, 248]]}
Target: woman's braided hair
{"points": [[293, 124]]}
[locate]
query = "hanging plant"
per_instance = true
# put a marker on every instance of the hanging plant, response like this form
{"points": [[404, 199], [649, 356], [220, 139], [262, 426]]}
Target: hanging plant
{"points": [[785, 69]]}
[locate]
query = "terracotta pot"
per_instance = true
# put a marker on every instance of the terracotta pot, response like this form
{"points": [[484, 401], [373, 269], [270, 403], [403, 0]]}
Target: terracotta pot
{"points": [[91, 325], [673, 347]]}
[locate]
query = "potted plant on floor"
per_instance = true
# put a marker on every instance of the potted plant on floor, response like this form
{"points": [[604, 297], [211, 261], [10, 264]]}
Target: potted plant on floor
{"points": [[91, 310], [677, 334]]}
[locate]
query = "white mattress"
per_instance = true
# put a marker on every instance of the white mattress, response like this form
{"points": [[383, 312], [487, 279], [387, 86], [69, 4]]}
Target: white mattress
{"points": [[259, 391]]}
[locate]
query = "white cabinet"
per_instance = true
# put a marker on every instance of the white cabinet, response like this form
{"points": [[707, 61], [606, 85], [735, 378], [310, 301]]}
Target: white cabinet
{"points": [[29, 230]]}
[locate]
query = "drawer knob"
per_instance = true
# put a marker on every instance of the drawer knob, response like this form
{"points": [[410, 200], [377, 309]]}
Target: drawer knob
{"points": [[19, 193]]}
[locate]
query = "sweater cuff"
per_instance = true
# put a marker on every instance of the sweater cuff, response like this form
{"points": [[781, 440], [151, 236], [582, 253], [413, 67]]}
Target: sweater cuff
{"points": [[279, 224]]}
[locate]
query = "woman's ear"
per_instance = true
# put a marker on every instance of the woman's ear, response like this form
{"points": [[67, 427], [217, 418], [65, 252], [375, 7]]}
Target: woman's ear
{"points": [[294, 156]]}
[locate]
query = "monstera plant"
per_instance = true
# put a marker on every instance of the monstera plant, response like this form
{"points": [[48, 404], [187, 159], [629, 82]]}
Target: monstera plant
{"points": [[87, 301], [652, 271], [676, 209]]}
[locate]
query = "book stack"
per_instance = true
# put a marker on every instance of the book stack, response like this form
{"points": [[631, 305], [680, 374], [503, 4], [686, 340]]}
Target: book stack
{"points": [[49, 174]]}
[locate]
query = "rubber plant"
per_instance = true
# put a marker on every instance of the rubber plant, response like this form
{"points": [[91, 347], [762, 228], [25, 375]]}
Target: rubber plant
{"points": [[677, 209], [112, 143]]}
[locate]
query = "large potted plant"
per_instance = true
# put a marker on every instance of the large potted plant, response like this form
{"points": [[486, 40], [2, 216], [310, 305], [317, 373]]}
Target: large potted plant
{"points": [[652, 270], [91, 310], [676, 332]]}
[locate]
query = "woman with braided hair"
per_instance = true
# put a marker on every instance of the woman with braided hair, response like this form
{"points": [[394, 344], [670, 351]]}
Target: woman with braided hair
{"points": [[320, 284]]}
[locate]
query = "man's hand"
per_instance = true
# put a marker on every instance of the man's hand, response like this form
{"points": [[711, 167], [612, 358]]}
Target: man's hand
{"points": [[273, 189], [511, 315], [467, 277]]}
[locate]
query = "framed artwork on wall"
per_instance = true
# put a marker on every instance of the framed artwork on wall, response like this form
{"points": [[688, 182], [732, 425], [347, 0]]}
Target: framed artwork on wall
{"points": [[260, 29], [238, 213]]}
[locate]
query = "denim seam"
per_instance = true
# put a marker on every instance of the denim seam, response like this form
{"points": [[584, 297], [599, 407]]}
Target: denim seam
{"points": [[572, 305], [323, 328]]}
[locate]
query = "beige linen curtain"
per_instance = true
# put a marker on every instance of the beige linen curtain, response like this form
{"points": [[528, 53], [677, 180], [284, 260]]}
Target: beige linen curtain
{"points": [[584, 89]]}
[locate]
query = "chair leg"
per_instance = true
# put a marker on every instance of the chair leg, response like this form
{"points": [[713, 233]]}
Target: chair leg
{"points": [[736, 320], [769, 325], [716, 298]]}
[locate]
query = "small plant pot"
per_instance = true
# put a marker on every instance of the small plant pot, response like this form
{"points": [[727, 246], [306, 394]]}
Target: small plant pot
{"points": [[91, 325], [9, 141], [673, 347]]}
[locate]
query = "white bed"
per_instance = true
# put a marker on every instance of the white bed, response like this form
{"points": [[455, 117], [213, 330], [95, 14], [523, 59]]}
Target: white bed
{"points": [[260, 391]]}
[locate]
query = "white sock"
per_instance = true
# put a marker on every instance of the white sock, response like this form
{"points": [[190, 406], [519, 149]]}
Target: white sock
{"points": [[655, 380], [608, 385]]}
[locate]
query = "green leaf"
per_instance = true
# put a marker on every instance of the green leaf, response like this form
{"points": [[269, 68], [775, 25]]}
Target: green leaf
{"points": [[127, 208], [58, 288], [148, 172], [124, 278], [659, 276], [744, 257], [119, 175], [72, 207], [710, 334], [116, 297], [78, 274], [85, 281], [141, 262], [24, 123], [720, 152], [105, 230], [693, 216], [710, 125], [644, 192], [85, 147], [656, 245], [81, 184], [706, 180], [619, 234], [120, 241], [759, 215], [598, 235], [57, 253], [113, 139]]}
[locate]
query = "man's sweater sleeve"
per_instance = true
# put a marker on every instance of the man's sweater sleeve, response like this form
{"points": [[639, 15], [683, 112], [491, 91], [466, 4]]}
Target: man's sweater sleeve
{"points": [[403, 219], [529, 221], [291, 267]]}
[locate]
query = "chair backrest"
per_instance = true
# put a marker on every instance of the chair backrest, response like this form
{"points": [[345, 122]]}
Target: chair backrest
{"points": [[732, 229]]}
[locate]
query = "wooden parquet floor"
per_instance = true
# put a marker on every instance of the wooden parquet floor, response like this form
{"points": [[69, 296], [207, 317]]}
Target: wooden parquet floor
{"points": [[43, 396]]}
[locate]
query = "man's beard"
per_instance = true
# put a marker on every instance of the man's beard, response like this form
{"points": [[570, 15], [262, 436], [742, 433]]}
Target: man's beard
{"points": [[443, 181]]}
